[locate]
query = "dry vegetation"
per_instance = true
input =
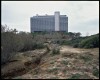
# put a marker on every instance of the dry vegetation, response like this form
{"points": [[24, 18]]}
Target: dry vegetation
{"points": [[70, 63], [44, 56]]}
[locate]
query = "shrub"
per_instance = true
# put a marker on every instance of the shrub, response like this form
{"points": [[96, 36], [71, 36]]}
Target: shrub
{"points": [[64, 42], [75, 45], [90, 42], [27, 40], [75, 76], [64, 62], [86, 57], [52, 70], [40, 46], [48, 49], [95, 72], [73, 42], [55, 51], [12, 42]]}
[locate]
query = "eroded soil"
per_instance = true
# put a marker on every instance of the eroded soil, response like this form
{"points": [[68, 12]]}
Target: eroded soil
{"points": [[71, 63]]}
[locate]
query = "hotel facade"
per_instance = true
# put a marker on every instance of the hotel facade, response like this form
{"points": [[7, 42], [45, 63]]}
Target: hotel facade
{"points": [[49, 23]]}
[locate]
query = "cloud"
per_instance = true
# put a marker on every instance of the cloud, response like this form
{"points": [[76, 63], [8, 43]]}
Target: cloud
{"points": [[80, 14], [90, 26]]}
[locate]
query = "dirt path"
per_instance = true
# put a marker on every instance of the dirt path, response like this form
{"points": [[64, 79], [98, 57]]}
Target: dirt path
{"points": [[69, 49], [93, 51], [75, 61]]}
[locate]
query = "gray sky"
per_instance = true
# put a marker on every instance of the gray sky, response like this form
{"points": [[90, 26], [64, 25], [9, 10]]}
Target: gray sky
{"points": [[83, 16]]}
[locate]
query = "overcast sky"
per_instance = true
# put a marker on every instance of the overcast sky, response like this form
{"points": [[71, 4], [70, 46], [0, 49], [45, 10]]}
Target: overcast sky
{"points": [[83, 16]]}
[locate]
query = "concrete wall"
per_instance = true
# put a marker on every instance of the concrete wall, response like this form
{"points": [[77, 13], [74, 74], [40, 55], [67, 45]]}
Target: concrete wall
{"points": [[57, 14]]}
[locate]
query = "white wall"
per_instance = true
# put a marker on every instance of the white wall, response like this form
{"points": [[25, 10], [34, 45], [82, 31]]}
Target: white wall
{"points": [[57, 14]]}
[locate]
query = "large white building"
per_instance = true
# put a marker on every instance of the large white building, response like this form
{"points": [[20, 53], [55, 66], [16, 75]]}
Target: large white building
{"points": [[54, 22]]}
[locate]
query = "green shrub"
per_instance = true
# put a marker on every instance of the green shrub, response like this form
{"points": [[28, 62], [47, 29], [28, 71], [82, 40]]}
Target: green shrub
{"points": [[40, 46], [80, 76], [82, 42], [90, 42], [75, 45], [64, 42], [64, 62], [95, 72], [74, 42], [55, 51], [75, 76], [52, 70], [48, 49], [12, 42], [86, 57]]}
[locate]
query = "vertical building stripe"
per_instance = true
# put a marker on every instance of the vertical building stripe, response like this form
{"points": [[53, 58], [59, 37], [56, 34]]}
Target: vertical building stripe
{"points": [[57, 21]]}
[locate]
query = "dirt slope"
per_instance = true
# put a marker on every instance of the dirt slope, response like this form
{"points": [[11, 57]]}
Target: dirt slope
{"points": [[71, 63]]}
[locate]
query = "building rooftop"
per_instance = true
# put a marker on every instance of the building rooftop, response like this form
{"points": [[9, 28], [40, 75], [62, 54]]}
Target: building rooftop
{"points": [[49, 16]]}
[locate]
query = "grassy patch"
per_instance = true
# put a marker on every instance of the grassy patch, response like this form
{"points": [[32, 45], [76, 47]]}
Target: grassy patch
{"points": [[48, 49], [75, 76], [64, 71], [54, 77], [35, 72], [79, 76], [85, 76], [69, 54], [86, 57], [52, 62], [95, 72], [19, 77], [52, 70], [55, 51], [64, 62]]}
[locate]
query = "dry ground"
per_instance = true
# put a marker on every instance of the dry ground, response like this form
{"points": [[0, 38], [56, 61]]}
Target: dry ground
{"points": [[71, 63]]}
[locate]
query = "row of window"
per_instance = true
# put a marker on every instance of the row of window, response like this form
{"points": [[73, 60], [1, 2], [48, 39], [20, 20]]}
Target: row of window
{"points": [[48, 24]]}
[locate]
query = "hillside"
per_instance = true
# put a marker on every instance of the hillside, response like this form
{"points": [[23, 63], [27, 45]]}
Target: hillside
{"points": [[48, 55], [70, 63]]}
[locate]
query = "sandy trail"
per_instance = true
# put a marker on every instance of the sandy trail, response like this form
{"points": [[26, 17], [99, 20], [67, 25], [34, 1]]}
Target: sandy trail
{"points": [[65, 49], [70, 49], [49, 62]]}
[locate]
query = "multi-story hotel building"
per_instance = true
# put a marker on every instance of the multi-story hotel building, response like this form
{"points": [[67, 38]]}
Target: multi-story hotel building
{"points": [[54, 22]]}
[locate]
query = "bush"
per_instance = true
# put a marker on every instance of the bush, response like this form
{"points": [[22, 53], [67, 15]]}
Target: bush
{"points": [[80, 76], [64, 42], [95, 72], [48, 49], [75, 76], [12, 42], [86, 57], [40, 46], [75, 45], [55, 51], [64, 62], [73, 42], [52, 70], [90, 42], [82, 42]]}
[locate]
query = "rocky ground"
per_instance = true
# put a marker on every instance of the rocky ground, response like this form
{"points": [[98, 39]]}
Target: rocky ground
{"points": [[70, 63]]}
